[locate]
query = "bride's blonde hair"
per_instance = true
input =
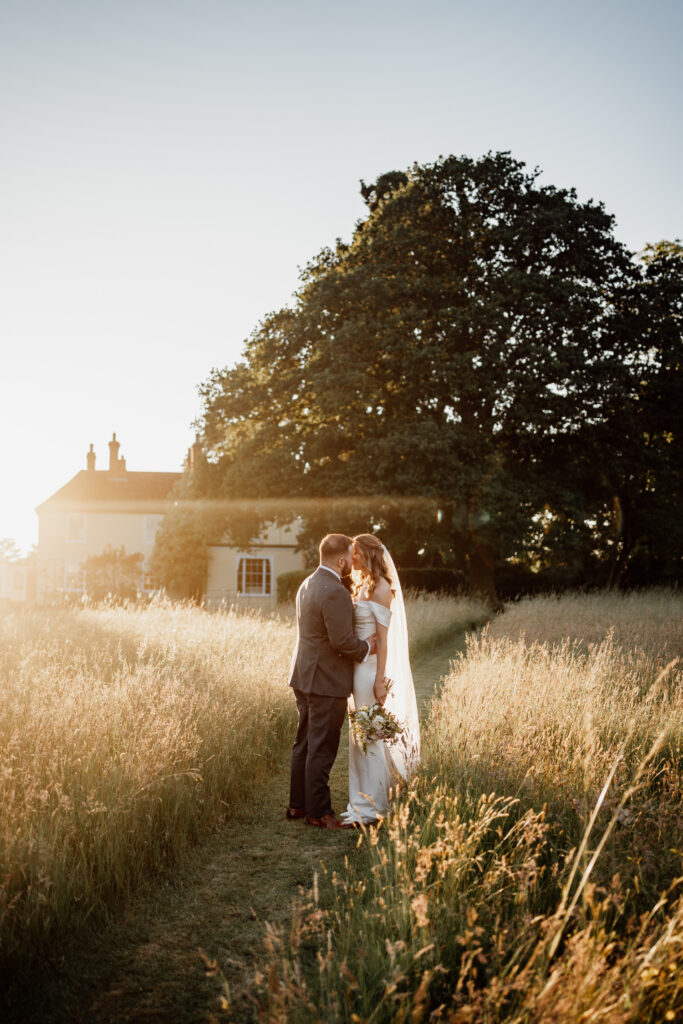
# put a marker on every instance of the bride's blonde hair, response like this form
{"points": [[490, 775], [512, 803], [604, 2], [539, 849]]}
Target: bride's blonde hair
{"points": [[376, 569]]}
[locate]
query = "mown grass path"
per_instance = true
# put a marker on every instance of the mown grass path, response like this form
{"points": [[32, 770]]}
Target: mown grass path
{"points": [[147, 965]]}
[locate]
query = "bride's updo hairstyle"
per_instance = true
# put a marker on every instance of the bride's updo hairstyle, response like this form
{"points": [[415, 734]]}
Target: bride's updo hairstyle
{"points": [[376, 569]]}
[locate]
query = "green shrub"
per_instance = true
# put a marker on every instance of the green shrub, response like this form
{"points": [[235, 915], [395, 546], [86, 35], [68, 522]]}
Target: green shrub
{"points": [[288, 583], [515, 581], [448, 581]]}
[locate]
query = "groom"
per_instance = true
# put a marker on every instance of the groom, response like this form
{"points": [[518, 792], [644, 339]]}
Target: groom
{"points": [[322, 678]]}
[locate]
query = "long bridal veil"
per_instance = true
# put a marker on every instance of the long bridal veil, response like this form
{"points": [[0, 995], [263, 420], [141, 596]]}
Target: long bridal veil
{"points": [[401, 700]]}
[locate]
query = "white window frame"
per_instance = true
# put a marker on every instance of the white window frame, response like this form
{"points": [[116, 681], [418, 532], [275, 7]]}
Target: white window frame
{"points": [[241, 559], [76, 540], [150, 524]]}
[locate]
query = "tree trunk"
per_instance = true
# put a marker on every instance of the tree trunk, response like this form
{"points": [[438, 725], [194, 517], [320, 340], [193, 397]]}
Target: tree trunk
{"points": [[482, 576], [618, 566], [623, 547]]}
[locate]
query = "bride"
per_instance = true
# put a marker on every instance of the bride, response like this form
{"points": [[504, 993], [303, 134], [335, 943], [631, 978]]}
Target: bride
{"points": [[378, 608]]}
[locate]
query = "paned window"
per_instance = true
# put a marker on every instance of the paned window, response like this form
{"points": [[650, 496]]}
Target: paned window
{"points": [[254, 576], [75, 527]]}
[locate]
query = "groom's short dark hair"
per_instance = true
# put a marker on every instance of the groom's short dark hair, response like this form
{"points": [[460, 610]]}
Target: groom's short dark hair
{"points": [[334, 545]]}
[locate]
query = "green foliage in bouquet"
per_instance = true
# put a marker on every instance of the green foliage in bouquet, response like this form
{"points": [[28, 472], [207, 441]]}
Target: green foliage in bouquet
{"points": [[372, 722]]}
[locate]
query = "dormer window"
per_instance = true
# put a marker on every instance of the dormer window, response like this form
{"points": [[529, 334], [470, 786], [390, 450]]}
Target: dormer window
{"points": [[75, 528]]}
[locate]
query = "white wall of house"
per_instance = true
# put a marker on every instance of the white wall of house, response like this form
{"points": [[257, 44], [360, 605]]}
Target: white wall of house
{"points": [[68, 538], [70, 534], [249, 578], [14, 581]]}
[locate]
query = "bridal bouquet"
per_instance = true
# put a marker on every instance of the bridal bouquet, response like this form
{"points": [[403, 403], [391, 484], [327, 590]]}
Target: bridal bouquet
{"points": [[373, 722]]}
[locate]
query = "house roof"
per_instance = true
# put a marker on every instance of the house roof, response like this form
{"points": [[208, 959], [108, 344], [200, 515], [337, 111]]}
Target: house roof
{"points": [[102, 487]]}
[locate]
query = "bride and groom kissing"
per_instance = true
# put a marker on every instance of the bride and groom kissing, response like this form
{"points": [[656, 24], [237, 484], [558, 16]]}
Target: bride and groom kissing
{"points": [[349, 645]]}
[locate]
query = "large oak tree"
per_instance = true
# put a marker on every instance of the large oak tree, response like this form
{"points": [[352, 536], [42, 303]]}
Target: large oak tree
{"points": [[460, 349]]}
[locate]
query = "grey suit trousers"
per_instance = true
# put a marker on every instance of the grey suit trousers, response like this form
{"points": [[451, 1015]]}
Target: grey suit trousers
{"points": [[314, 751]]}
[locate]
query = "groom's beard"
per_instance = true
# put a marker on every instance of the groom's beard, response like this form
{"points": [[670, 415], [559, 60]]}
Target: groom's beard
{"points": [[347, 581], [347, 569]]}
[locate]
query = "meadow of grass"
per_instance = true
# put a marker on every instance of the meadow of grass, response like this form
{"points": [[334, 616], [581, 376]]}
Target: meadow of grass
{"points": [[532, 872], [126, 734], [436, 618], [650, 622]]}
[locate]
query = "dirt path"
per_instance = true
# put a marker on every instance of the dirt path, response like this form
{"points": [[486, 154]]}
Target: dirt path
{"points": [[148, 966]]}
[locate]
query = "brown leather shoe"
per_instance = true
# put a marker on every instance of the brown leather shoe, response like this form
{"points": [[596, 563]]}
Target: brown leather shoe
{"points": [[295, 812], [327, 821]]}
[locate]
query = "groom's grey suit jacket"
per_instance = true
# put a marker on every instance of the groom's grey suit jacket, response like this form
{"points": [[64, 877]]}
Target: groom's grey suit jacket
{"points": [[326, 646]]}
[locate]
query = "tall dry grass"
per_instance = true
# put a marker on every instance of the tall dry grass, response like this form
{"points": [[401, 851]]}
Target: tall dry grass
{"points": [[533, 872], [651, 621], [125, 734], [435, 618]]}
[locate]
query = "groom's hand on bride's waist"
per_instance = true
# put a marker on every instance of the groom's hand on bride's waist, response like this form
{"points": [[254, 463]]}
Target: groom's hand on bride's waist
{"points": [[372, 641]]}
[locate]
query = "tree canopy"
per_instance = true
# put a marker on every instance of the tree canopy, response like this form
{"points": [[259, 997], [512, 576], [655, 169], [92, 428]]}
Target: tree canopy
{"points": [[479, 343], [9, 551], [113, 573]]}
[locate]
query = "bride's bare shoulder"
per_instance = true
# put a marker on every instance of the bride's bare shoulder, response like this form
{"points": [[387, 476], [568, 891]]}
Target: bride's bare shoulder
{"points": [[382, 593]]}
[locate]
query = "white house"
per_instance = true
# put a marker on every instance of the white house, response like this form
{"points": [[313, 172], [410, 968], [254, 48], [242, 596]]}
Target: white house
{"points": [[249, 577], [15, 580], [96, 509], [116, 508]]}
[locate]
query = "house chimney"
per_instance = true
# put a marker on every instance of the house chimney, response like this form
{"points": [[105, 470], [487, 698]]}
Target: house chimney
{"points": [[113, 454], [195, 452], [90, 457]]}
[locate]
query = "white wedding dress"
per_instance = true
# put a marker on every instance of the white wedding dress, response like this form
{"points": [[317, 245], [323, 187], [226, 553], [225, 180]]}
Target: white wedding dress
{"points": [[372, 775]]}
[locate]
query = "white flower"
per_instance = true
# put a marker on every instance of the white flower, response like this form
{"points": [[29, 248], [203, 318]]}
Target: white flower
{"points": [[374, 722]]}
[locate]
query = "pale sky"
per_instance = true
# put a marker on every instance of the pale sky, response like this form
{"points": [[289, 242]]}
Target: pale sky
{"points": [[167, 165]]}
